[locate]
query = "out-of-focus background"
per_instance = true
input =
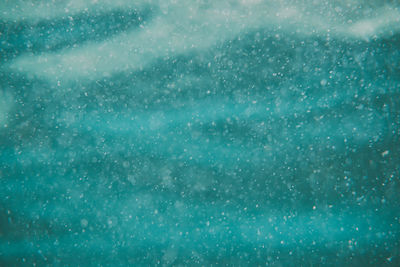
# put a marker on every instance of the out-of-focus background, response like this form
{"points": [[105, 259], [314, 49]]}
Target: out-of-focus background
{"points": [[172, 132]]}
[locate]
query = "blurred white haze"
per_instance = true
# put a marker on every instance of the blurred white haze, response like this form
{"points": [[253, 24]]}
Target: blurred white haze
{"points": [[185, 25]]}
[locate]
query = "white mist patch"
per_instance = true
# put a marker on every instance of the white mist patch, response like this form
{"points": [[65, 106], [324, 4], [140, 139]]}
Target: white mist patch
{"points": [[386, 22], [364, 28], [201, 25]]}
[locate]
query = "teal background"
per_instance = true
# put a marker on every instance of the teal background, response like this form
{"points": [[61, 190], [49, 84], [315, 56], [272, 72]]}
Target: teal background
{"points": [[267, 147]]}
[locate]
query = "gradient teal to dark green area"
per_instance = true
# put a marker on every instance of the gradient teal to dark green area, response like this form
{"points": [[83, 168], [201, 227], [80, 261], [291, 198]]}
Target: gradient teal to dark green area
{"points": [[270, 148]]}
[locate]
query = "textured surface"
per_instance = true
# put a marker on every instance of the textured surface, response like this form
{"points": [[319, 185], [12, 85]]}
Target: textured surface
{"points": [[195, 133]]}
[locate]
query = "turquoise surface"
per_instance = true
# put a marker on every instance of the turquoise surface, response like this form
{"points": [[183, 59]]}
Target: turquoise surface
{"points": [[190, 133]]}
